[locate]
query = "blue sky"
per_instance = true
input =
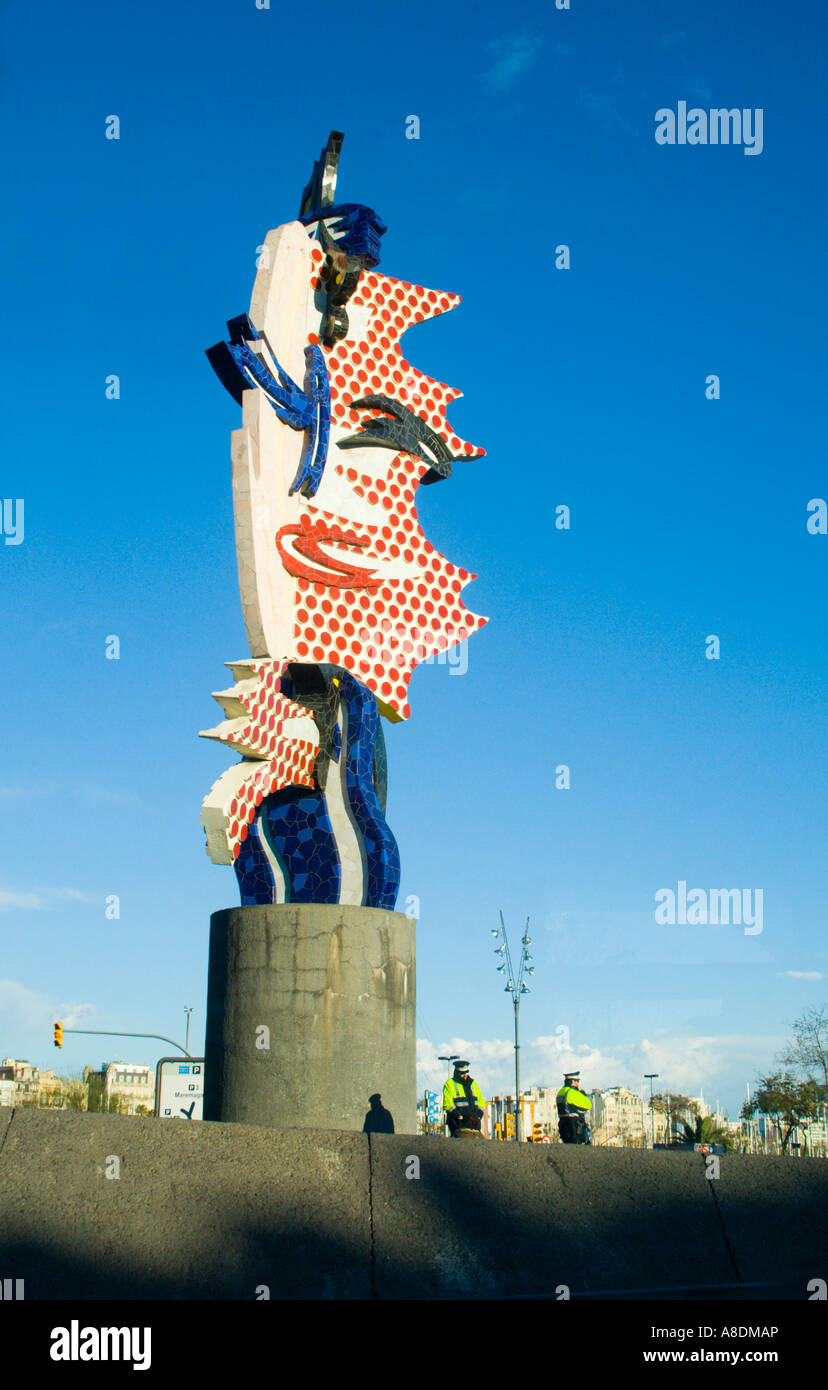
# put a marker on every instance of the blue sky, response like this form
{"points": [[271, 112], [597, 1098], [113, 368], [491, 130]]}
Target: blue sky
{"points": [[587, 388]]}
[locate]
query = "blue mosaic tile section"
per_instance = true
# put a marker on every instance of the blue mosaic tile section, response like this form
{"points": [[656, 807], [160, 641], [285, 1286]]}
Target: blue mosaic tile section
{"points": [[253, 871], [382, 856], [303, 410], [309, 474], [298, 828], [356, 228]]}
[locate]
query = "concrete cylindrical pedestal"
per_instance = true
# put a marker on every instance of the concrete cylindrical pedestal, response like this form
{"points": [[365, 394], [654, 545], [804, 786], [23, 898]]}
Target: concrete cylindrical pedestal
{"points": [[310, 1014]]}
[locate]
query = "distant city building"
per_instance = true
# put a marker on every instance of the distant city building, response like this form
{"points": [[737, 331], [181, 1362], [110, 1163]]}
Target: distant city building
{"points": [[622, 1118], [133, 1081], [619, 1119], [537, 1108], [49, 1090], [817, 1134], [26, 1078], [6, 1084]]}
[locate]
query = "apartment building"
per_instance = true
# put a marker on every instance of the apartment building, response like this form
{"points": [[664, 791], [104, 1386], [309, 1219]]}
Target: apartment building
{"points": [[619, 1119], [25, 1077], [133, 1081]]}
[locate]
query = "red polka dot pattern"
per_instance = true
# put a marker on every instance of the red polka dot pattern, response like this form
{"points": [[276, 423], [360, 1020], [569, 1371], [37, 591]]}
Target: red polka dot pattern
{"points": [[373, 364], [273, 757], [382, 635]]}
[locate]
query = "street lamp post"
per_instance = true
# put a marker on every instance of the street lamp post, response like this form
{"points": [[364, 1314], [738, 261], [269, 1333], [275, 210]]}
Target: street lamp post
{"points": [[516, 988], [651, 1076], [187, 1034]]}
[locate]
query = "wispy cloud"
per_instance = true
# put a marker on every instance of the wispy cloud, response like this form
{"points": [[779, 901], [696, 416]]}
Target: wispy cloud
{"points": [[23, 902], [603, 109], [73, 1014], [41, 899], [799, 974], [75, 895], [24, 1010], [513, 55]]}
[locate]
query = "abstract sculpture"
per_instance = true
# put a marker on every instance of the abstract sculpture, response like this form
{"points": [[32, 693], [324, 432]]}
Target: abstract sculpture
{"points": [[342, 593]]}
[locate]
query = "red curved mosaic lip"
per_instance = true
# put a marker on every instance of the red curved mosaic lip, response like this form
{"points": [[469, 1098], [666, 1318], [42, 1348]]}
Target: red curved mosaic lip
{"points": [[324, 568]]}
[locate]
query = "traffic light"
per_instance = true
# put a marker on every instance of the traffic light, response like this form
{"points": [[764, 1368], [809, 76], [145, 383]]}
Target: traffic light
{"points": [[537, 1133], [58, 1035]]}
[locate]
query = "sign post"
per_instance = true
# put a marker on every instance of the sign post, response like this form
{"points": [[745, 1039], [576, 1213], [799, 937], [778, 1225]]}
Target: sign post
{"points": [[179, 1088]]}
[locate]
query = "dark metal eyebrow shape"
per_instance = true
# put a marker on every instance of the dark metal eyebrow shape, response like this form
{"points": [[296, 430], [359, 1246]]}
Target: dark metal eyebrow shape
{"points": [[405, 432]]}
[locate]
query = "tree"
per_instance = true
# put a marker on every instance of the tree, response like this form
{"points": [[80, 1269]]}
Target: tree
{"points": [[789, 1102], [74, 1094], [704, 1130], [807, 1051], [101, 1103], [89, 1095], [673, 1105]]}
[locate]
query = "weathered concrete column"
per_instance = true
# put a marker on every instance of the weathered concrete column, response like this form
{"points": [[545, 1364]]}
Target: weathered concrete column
{"points": [[310, 1013]]}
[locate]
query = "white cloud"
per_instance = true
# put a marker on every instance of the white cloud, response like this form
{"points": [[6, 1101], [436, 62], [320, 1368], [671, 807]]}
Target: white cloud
{"points": [[41, 899], [515, 54], [25, 902], [799, 974], [684, 1063], [23, 1009], [74, 895], [71, 1015]]}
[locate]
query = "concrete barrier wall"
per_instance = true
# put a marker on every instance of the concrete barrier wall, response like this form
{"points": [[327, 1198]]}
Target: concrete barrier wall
{"points": [[220, 1211]]}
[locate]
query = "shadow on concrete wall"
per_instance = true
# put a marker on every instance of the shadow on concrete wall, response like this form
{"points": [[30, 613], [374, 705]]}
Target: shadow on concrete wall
{"points": [[378, 1120], [292, 1264], [224, 1212], [295, 1263]]}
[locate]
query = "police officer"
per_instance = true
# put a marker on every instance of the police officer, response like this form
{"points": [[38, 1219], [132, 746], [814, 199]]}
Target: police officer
{"points": [[462, 1100], [573, 1105]]}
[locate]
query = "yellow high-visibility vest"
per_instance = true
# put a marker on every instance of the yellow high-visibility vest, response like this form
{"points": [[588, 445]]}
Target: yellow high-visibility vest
{"points": [[571, 1096], [453, 1094]]}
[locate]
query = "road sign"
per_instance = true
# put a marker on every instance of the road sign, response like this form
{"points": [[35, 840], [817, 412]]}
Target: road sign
{"points": [[179, 1088], [545, 1139]]}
